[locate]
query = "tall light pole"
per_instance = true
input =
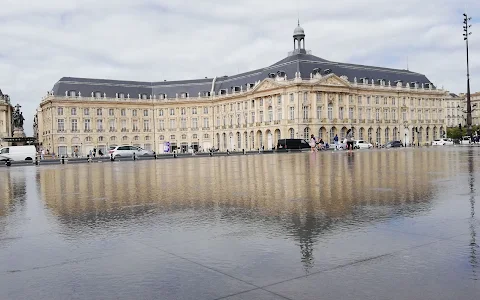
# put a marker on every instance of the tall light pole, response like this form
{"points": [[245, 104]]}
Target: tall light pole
{"points": [[466, 33]]}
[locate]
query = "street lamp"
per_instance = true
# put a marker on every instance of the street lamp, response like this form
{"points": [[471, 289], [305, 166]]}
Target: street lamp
{"points": [[466, 33]]}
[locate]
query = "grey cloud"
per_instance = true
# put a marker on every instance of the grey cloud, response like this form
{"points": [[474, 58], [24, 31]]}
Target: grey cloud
{"points": [[150, 40]]}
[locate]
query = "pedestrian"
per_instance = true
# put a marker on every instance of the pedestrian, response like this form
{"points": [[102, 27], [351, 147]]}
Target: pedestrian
{"points": [[90, 153], [335, 141], [312, 143], [349, 138], [42, 154], [94, 152], [100, 153]]}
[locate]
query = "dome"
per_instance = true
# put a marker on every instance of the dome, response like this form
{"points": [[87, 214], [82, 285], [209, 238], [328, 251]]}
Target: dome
{"points": [[299, 31]]}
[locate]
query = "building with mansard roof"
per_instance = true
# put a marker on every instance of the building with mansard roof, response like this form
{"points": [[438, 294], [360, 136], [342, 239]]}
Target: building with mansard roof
{"points": [[295, 97], [6, 110]]}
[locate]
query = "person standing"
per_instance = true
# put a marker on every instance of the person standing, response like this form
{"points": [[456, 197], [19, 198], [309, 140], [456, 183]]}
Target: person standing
{"points": [[312, 143], [335, 141], [42, 154], [349, 138]]}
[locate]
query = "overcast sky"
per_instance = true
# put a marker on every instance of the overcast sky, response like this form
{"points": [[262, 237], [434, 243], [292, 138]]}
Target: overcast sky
{"points": [[152, 40]]}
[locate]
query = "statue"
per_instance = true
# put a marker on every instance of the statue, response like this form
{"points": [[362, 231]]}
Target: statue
{"points": [[18, 118]]}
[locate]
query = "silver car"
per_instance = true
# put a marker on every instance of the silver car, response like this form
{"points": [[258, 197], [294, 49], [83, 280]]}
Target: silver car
{"points": [[128, 151]]}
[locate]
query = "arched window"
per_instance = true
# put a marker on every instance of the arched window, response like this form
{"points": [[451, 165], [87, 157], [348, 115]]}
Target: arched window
{"points": [[162, 137], [112, 138], [306, 133], [379, 136], [100, 138], [239, 140], [387, 135], [124, 138], [333, 131], [291, 133], [362, 133]]}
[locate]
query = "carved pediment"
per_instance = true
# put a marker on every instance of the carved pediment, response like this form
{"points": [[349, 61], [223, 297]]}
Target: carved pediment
{"points": [[265, 85], [333, 80]]}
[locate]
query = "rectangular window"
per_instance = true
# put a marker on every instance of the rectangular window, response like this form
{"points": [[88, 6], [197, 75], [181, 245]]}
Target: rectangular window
{"points": [[110, 112], [205, 123], [73, 111], [61, 125], [350, 99], [279, 100], [135, 125], [253, 117], [194, 110], [319, 112], [270, 115], [393, 101], [261, 101], [305, 113], [205, 110], [86, 112], [194, 124], [99, 111], [146, 125], [172, 111], [360, 114], [385, 115], [340, 98], [123, 113], [340, 113], [60, 111], [319, 97], [134, 113], [99, 124], [261, 116], [368, 100], [74, 125], [86, 124], [291, 98], [404, 115], [377, 100], [385, 100], [124, 125], [369, 114], [172, 124], [359, 100], [394, 114], [218, 121], [183, 111], [161, 125], [292, 113], [279, 114], [111, 125], [350, 113], [330, 112], [145, 112], [377, 114], [305, 96]]}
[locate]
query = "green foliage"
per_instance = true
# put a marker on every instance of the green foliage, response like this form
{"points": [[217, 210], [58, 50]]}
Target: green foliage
{"points": [[456, 133]]}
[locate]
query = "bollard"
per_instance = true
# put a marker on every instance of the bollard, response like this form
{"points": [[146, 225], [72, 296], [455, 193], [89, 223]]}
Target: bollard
{"points": [[111, 157], [243, 151], [228, 152], [8, 163], [174, 153], [211, 153], [62, 161], [134, 156]]}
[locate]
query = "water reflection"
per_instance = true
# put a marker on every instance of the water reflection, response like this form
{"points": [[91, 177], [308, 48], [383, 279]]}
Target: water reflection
{"points": [[12, 190], [303, 196]]}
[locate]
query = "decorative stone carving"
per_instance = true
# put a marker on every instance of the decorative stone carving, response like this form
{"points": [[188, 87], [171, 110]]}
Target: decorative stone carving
{"points": [[66, 93], [344, 77], [399, 84], [104, 95], [128, 96], [389, 83], [92, 94], [355, 80], [116, 95], [407, 85], [79, 94]]}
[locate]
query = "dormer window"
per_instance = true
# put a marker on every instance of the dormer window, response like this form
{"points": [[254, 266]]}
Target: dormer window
{"points": [[251, 85], [364, 80], [427, 85], [413, 84], [144, 96], [205, 94], [281, 73], [98, 94], [271, 75], [316, 71], [327, 71], [121, 95], [223, 92], [162, 96], [72, 93], [381, 81], [184, 95], [236, 89]]}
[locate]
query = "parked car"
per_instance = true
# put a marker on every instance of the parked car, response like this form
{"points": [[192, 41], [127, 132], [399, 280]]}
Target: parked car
{"points": [[361, 144], [127, 151], [442, 142], [393, 144], [465, 140], [292, 144], [17, 153]]}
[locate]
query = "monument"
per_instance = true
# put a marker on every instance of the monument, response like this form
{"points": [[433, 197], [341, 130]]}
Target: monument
{"points": [[17, 119]]}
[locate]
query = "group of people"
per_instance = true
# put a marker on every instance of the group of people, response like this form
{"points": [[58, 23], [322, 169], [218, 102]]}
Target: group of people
{"points": [[316, 145]]}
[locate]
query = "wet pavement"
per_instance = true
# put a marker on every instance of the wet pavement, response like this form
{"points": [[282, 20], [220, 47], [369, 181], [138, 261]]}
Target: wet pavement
{"points": [[380, 224]]}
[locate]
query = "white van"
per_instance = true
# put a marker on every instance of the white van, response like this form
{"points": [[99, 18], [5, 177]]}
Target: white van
{"points": [[15, 153]]}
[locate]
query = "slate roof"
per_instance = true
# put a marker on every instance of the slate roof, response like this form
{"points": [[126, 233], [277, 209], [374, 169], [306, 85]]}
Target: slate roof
{"points": [[305, 63]]}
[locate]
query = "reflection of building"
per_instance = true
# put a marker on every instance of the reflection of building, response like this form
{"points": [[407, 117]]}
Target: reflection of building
{"points": [[6, 110], [299, 95]]}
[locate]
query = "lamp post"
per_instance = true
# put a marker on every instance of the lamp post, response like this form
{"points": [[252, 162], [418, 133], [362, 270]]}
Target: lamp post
{"points": [[466, 33]]}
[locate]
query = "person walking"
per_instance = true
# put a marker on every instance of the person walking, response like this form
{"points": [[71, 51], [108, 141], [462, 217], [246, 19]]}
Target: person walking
{"points": [[42, 154], [335, 141], [349, 138], [313, 143]]}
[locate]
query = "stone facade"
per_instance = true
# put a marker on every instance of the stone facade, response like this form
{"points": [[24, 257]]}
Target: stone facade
{"points": [[6, 110], [251, 119]]}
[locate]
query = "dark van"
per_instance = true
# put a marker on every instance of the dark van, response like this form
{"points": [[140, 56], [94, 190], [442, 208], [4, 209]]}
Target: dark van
{"points": [[284, 144]]}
